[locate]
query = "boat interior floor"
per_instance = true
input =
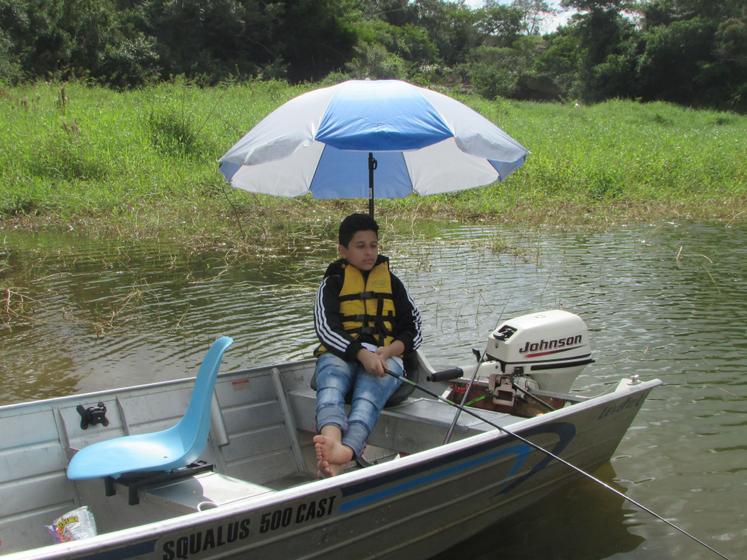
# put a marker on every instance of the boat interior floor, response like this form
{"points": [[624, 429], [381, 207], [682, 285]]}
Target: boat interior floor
{"points": [[412, 426]]}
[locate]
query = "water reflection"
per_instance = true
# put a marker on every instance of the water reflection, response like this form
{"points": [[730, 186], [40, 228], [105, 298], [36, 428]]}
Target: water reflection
{"points": [[582, 521], [667, 301]]}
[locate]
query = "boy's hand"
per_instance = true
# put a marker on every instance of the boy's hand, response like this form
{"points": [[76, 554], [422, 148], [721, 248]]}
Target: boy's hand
{"points": [[375, 362], [372, 362], [396, 348]]}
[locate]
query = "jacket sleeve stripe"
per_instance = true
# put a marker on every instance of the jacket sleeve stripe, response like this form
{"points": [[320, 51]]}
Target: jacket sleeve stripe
{"points": [[328, 337], [418, 338]]}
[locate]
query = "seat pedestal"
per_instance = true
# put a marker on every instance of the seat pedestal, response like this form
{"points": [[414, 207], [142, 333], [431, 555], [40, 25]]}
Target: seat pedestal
{"points": [[136, 481]]}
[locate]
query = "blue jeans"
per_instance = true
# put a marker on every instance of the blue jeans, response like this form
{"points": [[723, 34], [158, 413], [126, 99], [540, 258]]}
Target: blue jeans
{"points": [[334, 378]]}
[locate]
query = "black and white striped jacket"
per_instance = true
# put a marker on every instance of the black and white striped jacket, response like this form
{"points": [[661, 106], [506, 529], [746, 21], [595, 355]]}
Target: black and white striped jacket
{"points": [[328, 324]]}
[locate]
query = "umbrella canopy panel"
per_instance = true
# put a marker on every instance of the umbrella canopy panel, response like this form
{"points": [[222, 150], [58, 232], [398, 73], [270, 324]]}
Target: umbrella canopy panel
{"points": [[319, 142], [383, 115]]}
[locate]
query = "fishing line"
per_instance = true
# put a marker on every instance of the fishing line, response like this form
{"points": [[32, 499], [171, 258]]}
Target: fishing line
{"points": [[480, 358], [561, 460], [461, 404]]}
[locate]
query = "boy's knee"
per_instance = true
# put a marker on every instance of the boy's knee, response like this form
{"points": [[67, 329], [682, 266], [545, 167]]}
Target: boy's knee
{"points": [[330, 396], [333, 373]]}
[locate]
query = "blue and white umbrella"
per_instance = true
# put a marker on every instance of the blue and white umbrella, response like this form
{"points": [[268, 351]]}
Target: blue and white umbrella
{"points": [[329, 142]]}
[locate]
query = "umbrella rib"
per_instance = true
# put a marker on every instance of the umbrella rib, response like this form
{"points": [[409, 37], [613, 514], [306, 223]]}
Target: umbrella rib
{"points": [[316, 168], [409, 171]]}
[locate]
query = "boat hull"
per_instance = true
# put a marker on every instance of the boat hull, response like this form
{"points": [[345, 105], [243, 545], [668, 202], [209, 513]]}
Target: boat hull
{"points": [[411, 507]]}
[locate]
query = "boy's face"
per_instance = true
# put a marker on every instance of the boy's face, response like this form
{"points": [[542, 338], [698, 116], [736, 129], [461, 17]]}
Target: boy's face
{"points": [[362, 250]]}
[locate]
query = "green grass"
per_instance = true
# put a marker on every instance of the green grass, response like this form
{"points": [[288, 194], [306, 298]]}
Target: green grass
{"points": [[622, 153], [109, 152], [144, 163]]}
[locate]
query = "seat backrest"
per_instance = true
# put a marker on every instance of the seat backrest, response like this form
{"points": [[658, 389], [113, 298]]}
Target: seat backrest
{"points": [[194, 426], [412, 372]]}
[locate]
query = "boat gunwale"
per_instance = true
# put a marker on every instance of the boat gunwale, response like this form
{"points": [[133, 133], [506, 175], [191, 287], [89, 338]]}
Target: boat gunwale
{"points": [[93, 395]]}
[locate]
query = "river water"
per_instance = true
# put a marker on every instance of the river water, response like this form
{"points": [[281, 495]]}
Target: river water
{"points": [[666, 301]]}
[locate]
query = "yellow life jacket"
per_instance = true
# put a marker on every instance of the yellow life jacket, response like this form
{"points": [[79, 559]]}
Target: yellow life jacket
{"points": [[367, 306]]}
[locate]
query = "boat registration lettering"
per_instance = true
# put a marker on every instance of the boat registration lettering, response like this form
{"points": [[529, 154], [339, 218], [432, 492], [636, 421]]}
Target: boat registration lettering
{"points": [[630, 402], [301, 513], [229, 535]]}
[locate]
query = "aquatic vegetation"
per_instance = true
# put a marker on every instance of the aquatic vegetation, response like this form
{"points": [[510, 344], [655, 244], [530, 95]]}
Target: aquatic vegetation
{"points": [[15, 307]]}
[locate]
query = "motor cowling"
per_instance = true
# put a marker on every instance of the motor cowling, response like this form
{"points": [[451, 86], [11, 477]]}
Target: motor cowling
{"points": [[551, 347]]}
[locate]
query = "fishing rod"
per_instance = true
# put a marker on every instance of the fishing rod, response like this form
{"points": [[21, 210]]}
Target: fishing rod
{"points": [[559, 459]]}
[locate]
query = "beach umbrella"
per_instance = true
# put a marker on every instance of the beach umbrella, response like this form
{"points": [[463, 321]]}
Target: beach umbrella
{"points": [[366, 138]]}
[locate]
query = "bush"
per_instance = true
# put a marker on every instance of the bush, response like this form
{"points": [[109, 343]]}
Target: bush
{"points": [[131, 62], [374, 61], [67, 155], [493, 71], [173, 133], [10, 67]]}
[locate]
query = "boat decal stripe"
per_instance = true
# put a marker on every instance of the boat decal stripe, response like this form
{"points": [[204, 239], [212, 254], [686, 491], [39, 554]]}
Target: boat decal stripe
{"points": [[521, 451], [548, 352], [552, 360], [129, 551], [565, 431]]}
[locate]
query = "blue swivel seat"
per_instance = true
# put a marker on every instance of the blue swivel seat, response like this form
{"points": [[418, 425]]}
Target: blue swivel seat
{"points": [[166, 451]]}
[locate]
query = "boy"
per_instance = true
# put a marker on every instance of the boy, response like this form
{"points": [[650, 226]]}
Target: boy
{"points": [[365, 321]]}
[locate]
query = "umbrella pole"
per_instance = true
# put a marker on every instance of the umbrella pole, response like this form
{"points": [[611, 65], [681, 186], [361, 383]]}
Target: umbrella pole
{"points": [[372, 163]]}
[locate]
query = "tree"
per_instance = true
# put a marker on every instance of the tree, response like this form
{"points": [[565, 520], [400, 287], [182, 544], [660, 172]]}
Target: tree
{"points": [[695, 52], [534, 11], [731, 52], [451, 26], [609, 43], [394, 12], [409, 42], [597, 5], [56, 37], [492, 71], [10, 68], [499, 25], [131, 62], [375, 62], [213, 38], [315, 39], [561, 61]]}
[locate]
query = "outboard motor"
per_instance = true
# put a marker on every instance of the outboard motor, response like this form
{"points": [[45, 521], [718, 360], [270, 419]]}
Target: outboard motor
{"points": [[529, 365], [549, 347]]}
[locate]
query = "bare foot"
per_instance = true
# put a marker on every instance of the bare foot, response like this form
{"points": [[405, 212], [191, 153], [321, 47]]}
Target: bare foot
{"points": [[331, 455], [325, 470]]}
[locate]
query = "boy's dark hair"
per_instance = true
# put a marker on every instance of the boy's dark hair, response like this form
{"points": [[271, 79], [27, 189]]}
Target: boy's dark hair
{"points": [[355, 223]]}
